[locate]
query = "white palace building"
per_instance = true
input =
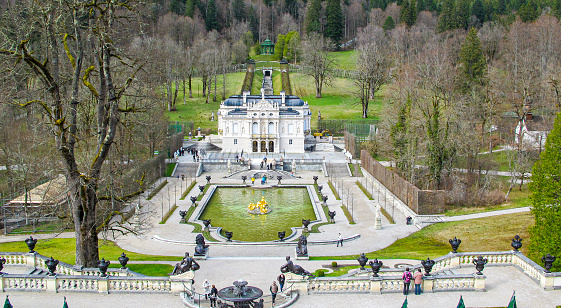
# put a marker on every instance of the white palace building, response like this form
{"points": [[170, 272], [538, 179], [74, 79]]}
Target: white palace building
{"points": [[263, 123]]}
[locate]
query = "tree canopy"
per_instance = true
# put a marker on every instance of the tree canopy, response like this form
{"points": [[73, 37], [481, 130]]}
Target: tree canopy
{"points": [[546, 199]]}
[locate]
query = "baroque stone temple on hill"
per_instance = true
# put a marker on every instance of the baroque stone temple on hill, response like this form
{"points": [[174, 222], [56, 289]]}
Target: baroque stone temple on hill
{"points": [[264, 123]]}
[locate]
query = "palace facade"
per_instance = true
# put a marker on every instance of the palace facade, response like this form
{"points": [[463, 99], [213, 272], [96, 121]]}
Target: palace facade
{"points": [[263, 123]]}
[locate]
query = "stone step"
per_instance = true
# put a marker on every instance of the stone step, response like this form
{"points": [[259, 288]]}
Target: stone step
{"points": [[324, 147]]}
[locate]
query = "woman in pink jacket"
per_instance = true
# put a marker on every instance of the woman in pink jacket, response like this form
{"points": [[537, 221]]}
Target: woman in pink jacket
{"points": [[418, 280]]}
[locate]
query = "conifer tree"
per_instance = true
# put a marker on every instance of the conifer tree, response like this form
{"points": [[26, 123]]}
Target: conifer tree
{"points": [[447, 19], [190, 8], [463, 14], [253, 22], [529, 12], [478, 10], [389, 24], [313, 17], [177, 6], [239, 10], [501, 6], [421, 6], [472, 59], [545, 198], [334, 25], [211, 18], [409, 12], [430, 5], [556, 6], [404, 11]]}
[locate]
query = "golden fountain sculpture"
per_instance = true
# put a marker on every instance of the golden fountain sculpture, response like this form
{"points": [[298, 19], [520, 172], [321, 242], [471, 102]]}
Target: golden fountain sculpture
{"points": [[260, 208]]}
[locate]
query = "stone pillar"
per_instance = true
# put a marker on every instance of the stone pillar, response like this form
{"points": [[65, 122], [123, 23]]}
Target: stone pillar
{"points": [[2, 283], [181, 281], [378, 222], [298, 282], [546, 281], [454, 260], [428, 284], [375, 285], [51, 283], [31, 259], [479, 284], [103, 285]]}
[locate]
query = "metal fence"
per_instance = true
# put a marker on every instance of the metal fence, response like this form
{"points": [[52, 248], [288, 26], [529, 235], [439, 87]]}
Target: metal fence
{"points": [[359, 127]]}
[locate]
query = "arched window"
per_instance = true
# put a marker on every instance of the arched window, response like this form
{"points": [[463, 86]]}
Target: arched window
{"points": [[271, 128], [255, 128]]}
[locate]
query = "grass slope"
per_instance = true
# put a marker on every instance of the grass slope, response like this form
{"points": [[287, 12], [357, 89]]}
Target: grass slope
{"points": [[483, 234]]}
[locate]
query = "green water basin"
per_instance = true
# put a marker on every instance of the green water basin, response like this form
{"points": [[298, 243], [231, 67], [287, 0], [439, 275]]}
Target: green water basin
{"points": [[227, 209]]}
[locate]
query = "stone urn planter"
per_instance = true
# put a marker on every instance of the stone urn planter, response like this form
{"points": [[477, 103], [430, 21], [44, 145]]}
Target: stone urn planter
{"points": [[123, 259], [31, 242], [362, 261], [455, 243], [376, 266], [103, 265], [51, 265], [479, 263], [427, 265]]}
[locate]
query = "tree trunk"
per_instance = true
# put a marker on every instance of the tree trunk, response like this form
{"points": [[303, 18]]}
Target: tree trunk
{"points": [[224, 84], [204, 85], [190, 87], [318, 89], [214, 97], [84, 199]]}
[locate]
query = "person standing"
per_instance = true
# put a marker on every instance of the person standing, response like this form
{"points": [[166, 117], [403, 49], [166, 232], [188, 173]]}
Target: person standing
{"points": [[206, 287], [406, 281], [252, 180], [274, 290], [281, 280], [418, 280], [213, 296], [339, 240]]}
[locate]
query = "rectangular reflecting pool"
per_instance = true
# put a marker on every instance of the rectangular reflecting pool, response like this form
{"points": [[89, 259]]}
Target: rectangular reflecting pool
{"points": [[227, 208]]}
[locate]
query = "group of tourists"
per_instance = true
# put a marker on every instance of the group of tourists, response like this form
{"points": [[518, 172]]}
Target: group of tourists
{"points": [[211, 293], [275, 288], [417, 279]]}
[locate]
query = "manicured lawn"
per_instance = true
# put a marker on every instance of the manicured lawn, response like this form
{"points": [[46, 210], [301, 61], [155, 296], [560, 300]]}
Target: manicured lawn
{"points": [[195, 109], [169, 169], [344, 60], [147, 269], [484, 234], [338, 100]]}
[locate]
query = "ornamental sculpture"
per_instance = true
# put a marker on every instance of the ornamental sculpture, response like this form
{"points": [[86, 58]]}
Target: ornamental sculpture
{"points": [[187, 264], [302, 248], [260, 208], [290, 267]]}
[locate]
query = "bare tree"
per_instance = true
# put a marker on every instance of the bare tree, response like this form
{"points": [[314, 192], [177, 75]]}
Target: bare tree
{"points": [[372, 65], [315, 58], [93, 28]]}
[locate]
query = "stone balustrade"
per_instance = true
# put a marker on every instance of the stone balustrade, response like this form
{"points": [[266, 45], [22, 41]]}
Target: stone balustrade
{"points": [[386, 284], [82, 283], [548, 281], [38, 261]]}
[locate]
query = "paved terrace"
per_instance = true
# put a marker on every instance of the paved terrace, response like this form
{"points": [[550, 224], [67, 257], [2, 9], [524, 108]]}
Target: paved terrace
{"points": [[259, 265]]}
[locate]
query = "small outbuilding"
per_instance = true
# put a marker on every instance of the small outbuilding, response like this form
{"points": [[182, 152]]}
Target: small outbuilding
{"points": [[267, 47]]}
